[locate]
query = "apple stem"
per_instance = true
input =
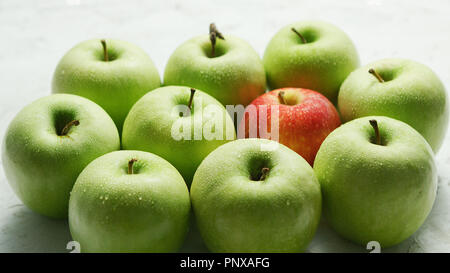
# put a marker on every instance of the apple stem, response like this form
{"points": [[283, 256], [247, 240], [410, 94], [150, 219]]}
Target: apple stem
{"points": [[105, 50], [130, 165], [281, 97], [264, 173], [375, 73], [191, 98], [299, 35], [69, 125], [374, 124], [213, 35]]}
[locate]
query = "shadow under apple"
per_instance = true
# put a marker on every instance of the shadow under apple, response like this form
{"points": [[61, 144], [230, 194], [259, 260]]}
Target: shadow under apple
{"points": [[29, 232]]}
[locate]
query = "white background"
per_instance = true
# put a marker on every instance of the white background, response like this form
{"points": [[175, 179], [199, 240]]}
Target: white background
{"points": [[35, 34]]}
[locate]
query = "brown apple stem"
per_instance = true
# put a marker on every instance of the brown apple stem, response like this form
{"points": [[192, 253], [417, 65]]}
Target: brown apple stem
{"points": [[213, 28], [105, 50], [130, 165], [264, 173], [69, 125], [281, 97], [374, 124], [191, 98], [299, 35], [375, 73], [213, 35]]}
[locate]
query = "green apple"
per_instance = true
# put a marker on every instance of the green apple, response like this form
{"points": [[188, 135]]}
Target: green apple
{"points": [[233, 74], [155, 124], [310, 54], [129, 201], [112, 73], [247, 198], [49, 143], [400, 89], [378, 180]]}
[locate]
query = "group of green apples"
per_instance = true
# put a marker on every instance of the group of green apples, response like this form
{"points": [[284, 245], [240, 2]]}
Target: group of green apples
{"points": [[101, 151]]}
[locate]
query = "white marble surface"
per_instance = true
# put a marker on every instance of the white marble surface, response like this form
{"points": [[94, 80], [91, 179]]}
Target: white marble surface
{"points": [[35, 34]]}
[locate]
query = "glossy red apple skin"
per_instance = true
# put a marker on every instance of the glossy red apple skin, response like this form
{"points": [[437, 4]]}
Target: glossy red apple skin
{"points": [[303, 126]]}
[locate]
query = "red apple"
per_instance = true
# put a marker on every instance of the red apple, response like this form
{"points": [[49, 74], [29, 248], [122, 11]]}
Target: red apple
{"points": [[305, 118]]}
